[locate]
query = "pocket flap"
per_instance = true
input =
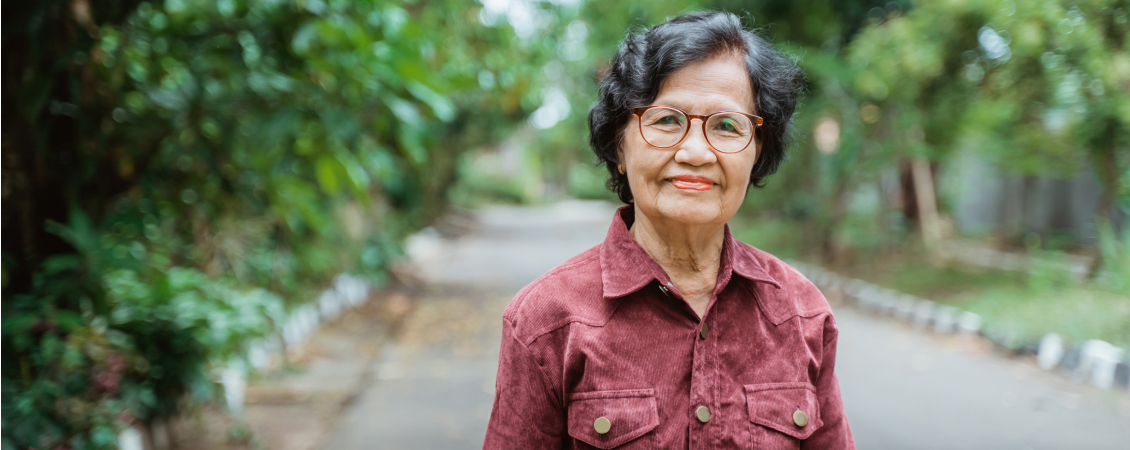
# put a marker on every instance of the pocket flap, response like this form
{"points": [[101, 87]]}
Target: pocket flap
{"points": [[773, 405], [630, 413]]}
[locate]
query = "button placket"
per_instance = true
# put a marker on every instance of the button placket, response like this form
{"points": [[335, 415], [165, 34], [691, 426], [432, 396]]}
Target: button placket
{"points": [[703, 388]]}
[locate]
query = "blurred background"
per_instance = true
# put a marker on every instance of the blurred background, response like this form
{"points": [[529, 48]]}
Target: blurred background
{"points": [[181, 179]]}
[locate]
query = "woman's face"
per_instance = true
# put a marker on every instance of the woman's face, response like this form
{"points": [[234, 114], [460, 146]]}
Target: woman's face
{"points": [[691, 183]]}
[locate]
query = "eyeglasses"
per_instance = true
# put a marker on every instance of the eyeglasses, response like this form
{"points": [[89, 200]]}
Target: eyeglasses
{"points": [[725, 131]]}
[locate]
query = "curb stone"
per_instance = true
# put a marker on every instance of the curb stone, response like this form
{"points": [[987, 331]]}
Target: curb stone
{"points": [[923, 313], [945, 319], [1122, 376], [1050, 352], [1070, 360], [969, 323], [1099, 360], [344, 294], [1028, 348]]}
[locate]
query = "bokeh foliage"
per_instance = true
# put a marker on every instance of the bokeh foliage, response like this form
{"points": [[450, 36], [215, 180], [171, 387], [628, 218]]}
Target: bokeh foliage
{"points": [[1032, 88], [180, 174]]}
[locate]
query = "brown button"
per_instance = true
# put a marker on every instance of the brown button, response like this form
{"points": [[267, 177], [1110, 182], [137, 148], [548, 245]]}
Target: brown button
{"points": [[703, 414], [602, 425], [704, 331], [665, 290], [800, 418]]}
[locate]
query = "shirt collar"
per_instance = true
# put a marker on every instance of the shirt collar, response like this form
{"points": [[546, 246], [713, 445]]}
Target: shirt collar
{"points": [[625, 267]]}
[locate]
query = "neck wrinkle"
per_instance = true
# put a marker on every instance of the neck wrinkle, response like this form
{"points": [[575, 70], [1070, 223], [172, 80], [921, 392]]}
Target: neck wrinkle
{"points": [[680, 249]]}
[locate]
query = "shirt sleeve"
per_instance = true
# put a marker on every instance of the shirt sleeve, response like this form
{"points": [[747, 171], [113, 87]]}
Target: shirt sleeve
{"points": [[527, 413], [835, 433]]}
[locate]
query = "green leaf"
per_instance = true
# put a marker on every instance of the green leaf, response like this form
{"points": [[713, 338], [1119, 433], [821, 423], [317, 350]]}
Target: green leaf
{"points": [[441, 106], [404, 110], [15, 324], [326, 170], [69, 320], [410, 143], [359, 180]]}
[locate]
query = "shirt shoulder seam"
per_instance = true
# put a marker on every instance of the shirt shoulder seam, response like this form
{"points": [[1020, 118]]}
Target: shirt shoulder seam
{"points": [[796, 311], [562, 324]]}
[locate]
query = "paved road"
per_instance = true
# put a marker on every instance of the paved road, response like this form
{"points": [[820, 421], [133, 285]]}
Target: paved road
{"points": [[903, 388]]}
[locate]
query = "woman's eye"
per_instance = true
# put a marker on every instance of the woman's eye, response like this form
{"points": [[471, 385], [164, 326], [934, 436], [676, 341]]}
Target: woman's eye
{"points": [[667, 120], [727, 125]]}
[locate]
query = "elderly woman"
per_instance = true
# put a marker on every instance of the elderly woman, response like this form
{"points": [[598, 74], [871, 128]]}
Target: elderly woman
{"points": [[672, 334]]}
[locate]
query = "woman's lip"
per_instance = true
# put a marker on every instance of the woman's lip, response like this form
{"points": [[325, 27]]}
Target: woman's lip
{"points": [[692, 182]]}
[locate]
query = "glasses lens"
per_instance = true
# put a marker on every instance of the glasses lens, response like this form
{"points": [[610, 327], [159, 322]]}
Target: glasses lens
{"points": [[663, 127], [729, 132]]}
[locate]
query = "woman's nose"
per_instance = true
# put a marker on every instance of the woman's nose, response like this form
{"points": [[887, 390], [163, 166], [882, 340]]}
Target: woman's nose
{"points": [[694, 149]]}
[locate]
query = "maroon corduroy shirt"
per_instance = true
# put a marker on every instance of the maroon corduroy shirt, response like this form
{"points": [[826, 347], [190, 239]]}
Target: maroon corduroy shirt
{"points": [[606, 335]]}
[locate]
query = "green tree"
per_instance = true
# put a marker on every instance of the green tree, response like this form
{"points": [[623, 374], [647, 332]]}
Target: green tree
{"points": [[1032, 85], [179, 174]]}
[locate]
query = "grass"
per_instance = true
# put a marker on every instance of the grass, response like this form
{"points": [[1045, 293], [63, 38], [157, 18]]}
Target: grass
{"points": [[1029, 305], [1076, 312]]}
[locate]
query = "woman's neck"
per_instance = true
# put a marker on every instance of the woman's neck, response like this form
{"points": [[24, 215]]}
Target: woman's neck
{"points": [[690, 254]]}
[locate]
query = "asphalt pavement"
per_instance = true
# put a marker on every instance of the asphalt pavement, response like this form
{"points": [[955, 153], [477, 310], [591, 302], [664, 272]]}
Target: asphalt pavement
{"points": [[903, 388]]}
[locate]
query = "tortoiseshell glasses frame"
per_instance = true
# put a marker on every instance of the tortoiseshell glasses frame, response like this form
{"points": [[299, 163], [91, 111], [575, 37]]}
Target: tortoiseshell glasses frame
{"points": [[729, 147]]}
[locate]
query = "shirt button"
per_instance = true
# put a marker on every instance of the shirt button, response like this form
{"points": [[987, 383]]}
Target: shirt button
{"points": [[800, 418], [602, 425], [665, 290], [704, 331], [703, 414]]}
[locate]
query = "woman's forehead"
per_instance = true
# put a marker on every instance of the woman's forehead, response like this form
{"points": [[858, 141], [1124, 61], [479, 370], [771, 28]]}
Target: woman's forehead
{"points": [[714, 84]]}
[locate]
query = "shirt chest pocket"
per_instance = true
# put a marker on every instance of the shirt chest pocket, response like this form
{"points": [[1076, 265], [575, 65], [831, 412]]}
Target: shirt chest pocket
{"points": [[782, 414], [623, 419]]}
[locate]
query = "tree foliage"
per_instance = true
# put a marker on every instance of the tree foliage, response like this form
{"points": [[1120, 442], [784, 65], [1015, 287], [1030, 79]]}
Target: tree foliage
{"points": [[178, 175]]}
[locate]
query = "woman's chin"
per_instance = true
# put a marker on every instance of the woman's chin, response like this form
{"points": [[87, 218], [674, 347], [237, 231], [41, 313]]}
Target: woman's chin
{"points": [[689, 210]]}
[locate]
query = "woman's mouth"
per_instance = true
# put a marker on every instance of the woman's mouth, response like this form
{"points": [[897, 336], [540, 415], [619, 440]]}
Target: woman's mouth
{"points": [[691, 182]]}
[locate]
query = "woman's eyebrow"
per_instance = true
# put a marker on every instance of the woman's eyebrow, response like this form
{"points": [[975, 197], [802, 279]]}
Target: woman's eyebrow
{"points": [[682, 106], [674, 104]]}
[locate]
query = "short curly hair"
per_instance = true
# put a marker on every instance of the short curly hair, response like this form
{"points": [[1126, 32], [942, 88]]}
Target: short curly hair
{"points": [[645, 59]]}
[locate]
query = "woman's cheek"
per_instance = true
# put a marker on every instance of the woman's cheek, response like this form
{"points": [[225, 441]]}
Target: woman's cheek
{"points": [[736, 192]]}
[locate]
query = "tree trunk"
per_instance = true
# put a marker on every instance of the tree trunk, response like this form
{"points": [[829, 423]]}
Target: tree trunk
{"points": [[828, 248], [926, 199], [1107, 171], [907, 198]]}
